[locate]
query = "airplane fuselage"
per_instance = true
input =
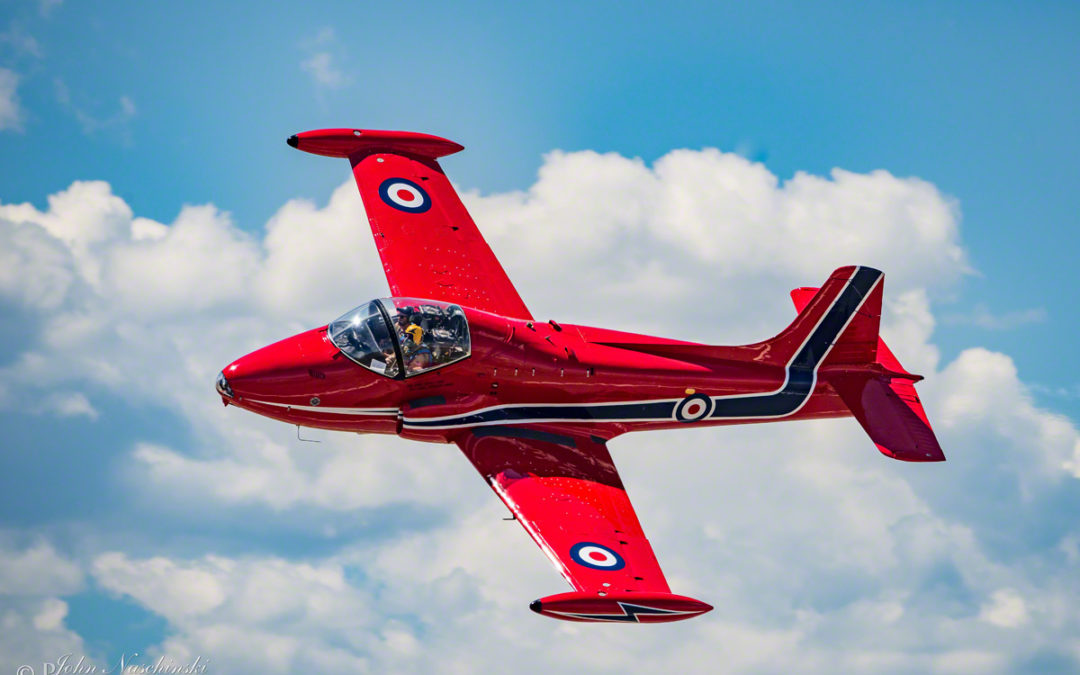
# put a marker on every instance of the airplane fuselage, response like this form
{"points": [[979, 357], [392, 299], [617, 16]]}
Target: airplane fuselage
{"points": [[520, 373]]}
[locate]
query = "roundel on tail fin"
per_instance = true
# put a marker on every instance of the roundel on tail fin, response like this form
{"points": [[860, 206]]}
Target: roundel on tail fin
{"points": [[404, 195]]}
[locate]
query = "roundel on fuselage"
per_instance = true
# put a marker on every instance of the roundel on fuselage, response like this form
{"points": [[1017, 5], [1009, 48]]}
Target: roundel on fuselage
{"points": [[693, 408]]}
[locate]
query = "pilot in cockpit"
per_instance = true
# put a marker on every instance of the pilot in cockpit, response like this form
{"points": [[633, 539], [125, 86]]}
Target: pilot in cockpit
{"points": [[414, 330], [401, 322], [416, 351]]}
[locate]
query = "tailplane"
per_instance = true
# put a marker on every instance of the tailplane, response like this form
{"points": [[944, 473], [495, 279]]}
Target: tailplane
{"points": [[876, 388]]}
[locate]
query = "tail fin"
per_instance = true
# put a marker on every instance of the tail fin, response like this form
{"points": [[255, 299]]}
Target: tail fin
{"points": [[877, 390], [836, 324]]}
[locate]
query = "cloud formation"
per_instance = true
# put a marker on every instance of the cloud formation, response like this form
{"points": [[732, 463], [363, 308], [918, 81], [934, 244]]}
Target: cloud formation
{"points": [[321, 64], [982, 317], [11, 113], [323, 71], [94, 122], [33, 577], [819, 554], [20, 42]]}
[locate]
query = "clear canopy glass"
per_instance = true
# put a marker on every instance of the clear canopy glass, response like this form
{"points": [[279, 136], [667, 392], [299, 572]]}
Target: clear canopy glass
{"points": [[384, 334], [365, 337]]}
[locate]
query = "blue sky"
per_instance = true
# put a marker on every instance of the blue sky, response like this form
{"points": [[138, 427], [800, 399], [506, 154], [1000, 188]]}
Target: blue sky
{"points": [[978, 98], [970, 108]]}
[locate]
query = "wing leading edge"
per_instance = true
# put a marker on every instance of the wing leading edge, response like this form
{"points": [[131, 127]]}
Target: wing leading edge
{"points": [[429, 245], [565, 491]]}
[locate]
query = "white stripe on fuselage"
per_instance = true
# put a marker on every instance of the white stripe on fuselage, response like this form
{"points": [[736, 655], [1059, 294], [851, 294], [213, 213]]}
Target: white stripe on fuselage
{"points": [[329, 410]]}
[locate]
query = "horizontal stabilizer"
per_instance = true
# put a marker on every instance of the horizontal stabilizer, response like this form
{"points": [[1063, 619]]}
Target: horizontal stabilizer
{"points": [[890, 411], [625, 608]]}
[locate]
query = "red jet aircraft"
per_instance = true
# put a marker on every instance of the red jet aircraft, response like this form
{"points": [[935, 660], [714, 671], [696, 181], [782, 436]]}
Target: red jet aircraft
{"points": [[456, 357]]}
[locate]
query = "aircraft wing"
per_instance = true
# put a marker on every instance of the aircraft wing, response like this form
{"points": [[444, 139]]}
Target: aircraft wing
{"points": [[565, 491], [429, 245]]}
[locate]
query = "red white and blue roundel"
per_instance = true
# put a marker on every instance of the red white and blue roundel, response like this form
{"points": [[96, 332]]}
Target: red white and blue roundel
{"points": [[596, 556], [694, 408], [404, 195]]}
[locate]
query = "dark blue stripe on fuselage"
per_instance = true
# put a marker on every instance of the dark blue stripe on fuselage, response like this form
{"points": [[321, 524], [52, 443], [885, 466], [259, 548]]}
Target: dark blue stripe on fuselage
{"points": [[800, 381], [571, 413]]}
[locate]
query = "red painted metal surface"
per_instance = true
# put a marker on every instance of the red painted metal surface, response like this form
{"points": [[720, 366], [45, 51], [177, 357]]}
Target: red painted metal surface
{"points": [[563, 486], [354, 142], [429, 245], [534, 404], [881, 397], [621, 608]]}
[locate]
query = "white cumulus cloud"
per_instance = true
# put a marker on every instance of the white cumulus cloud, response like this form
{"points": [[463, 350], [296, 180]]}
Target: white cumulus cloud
{"points": [[32, 613], [1005, 608], [258, 615], [819, 554], [321, 64], [71, 404], [323, 71]]}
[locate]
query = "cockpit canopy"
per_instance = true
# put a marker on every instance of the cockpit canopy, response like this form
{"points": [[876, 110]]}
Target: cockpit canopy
{"points": [[385, 335]]}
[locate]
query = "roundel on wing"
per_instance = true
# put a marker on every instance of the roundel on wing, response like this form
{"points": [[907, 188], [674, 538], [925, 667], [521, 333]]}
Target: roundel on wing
{"points": [[596, 556], [404, 195], [694, 408]]}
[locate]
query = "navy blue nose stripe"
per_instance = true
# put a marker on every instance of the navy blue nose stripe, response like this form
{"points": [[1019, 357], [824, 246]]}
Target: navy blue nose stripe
{"points": [[801, 380]]}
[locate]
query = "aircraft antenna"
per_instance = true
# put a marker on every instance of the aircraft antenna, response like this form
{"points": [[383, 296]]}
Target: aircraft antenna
{"points": [[306, 440]]}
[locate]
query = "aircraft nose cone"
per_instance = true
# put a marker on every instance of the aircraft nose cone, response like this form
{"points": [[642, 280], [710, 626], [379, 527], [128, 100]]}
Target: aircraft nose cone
{"points": [[222, 386], [291, 368]]}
